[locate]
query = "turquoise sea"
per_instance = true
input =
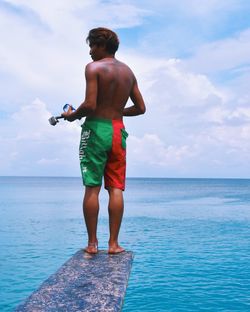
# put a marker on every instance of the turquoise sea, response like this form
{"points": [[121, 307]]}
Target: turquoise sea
{"points": [[190, 237]]}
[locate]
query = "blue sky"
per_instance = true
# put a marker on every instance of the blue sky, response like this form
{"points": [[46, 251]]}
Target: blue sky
{"points": [[192, 61]]}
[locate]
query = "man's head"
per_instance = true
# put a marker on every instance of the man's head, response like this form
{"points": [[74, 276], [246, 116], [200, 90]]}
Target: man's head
{"points": [[103, 37]]}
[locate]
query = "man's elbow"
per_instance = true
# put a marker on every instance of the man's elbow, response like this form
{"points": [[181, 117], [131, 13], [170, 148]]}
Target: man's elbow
{"points": [[89, 107], [142, 110]]}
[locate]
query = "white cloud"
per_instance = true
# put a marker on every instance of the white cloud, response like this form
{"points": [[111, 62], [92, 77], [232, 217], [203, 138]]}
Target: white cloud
{"points": [[192, 125], [116, 14], [150, 149], [44, 161], [194, 8], [236, 137], [44, 50], [222, 115], [59, 15], [31, 144], [225, 54]]}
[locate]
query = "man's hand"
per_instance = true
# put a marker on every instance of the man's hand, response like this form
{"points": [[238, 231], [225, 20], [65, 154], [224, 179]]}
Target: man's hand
{"points": [[69, 115]]}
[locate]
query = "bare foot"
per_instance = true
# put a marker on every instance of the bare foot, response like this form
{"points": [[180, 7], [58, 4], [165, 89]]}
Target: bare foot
{"points": [[92, 248], [115, 249]]}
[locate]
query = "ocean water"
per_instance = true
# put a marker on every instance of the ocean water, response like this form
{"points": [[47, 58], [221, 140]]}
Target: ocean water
{"points": [[190, 237]]}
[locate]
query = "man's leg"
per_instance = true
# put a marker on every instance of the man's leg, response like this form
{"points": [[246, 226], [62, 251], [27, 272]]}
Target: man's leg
{"points": [[90, 211], [116, 208]]}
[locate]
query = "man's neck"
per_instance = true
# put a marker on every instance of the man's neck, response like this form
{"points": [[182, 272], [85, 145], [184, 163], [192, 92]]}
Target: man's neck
{"points": [[107, 56]]}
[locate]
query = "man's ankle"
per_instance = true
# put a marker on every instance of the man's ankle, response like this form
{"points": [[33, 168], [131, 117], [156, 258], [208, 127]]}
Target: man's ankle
{"points": [[113, 242]]}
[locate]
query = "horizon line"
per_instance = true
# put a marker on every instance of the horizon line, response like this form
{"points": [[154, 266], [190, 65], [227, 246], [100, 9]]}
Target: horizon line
{"points": [[131, 177]]}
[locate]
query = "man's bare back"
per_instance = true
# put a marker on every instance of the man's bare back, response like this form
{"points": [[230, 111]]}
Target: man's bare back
{"points": [[115, 81], [109, 84]]}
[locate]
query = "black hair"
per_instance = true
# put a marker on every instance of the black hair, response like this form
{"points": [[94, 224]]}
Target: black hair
{"points": [[103, 37]]}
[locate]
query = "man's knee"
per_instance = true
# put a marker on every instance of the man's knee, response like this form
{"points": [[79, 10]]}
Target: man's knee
{"points": [[114, 191], [92, 190]]}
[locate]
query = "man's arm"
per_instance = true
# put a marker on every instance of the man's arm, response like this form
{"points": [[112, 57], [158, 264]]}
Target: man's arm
{"points": [[89, 104], [139, 106]]}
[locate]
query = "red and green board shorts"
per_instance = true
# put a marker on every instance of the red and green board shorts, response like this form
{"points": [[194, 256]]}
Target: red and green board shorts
{"points": [[102, 152]]}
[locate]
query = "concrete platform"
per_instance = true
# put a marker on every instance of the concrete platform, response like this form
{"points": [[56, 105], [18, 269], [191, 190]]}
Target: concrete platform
{"points": [[84, 283]]}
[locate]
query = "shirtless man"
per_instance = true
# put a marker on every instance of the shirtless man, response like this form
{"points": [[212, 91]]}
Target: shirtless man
{"points": [[109, 84]]}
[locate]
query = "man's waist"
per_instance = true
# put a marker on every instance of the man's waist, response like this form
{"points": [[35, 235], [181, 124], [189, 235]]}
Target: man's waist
{"points": [[104, 120]]}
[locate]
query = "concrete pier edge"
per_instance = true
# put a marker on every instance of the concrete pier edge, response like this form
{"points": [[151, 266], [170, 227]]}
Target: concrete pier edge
{"points": [[84, 283]]}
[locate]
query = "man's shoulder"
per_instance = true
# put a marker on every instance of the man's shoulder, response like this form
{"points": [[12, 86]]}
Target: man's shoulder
{"points": [[123, 64], [91, 66], [97, 67], [126, 70]]}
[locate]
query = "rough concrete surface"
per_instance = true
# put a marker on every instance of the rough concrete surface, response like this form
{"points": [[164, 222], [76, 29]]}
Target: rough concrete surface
{"points": [[84, 283]]}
